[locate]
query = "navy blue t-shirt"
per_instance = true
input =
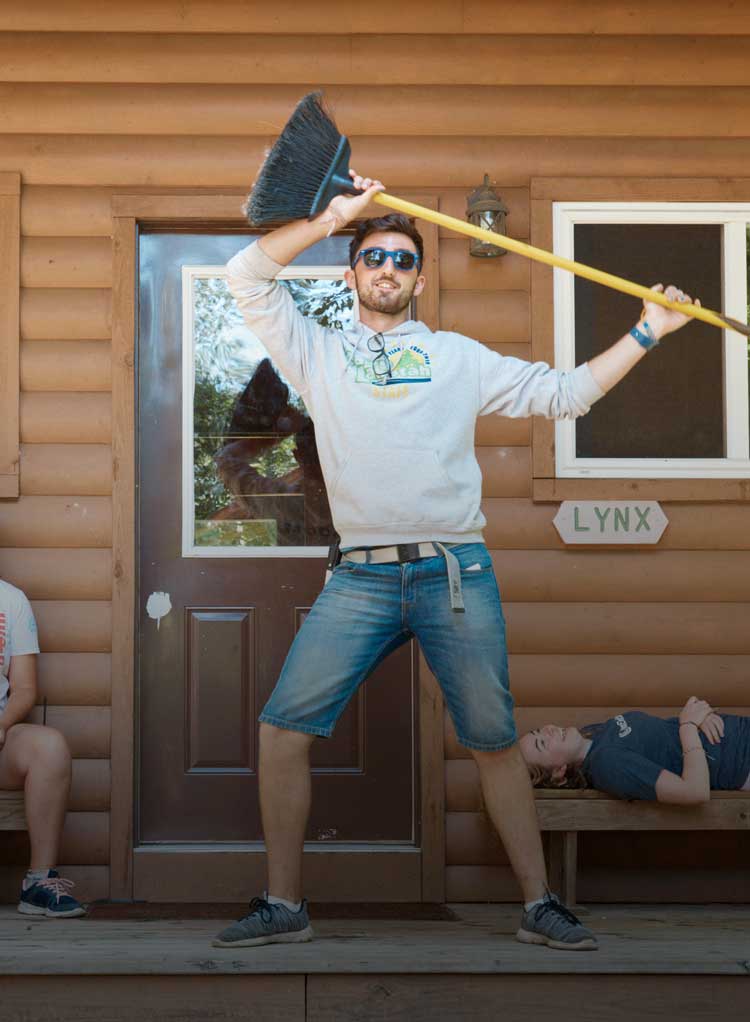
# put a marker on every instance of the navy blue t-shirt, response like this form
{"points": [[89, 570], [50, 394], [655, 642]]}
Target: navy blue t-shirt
{"points": [[629, 751]]}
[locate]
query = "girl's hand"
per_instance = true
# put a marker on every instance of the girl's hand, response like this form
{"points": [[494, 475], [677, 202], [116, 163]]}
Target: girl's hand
{"points": [[664, 321], [695, 711], [713, 728]]}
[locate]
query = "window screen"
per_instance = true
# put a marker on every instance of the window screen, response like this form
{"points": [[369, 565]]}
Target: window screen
{"points": [[671, 405]]}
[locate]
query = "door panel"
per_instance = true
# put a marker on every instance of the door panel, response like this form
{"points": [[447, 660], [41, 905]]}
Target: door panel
{"points": [[208, 665], [220, 672]]}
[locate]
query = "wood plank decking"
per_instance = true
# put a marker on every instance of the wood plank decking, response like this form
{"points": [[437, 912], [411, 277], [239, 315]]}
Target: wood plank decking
{"points": [[692, 961]]}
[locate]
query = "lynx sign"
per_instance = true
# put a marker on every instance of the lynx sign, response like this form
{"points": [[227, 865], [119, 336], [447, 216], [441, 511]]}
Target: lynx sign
{"points": [[610, 521]]}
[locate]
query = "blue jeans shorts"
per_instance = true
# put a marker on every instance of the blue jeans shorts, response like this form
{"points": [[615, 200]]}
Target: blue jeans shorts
{"points": [[368, 610]]}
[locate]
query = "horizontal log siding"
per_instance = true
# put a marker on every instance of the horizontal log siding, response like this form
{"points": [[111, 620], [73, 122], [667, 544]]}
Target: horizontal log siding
{"points": [[46, 574], [45, 520], [85, 840], [82, 469], [66, 418], [168, 96], [66, 366], [206, 110], [471, 16], [437, 162], [75, 679], [283, 63]]}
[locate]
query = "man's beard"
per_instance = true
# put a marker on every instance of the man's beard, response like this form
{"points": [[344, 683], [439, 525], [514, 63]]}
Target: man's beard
{"points": [[389, 302]]}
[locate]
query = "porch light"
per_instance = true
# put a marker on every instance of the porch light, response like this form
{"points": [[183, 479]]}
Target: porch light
{"points": [[484, 208]]}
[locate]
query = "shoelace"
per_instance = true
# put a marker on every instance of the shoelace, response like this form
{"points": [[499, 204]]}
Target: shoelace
{"points": [[262, 908], [550, 905], [59, 886]]}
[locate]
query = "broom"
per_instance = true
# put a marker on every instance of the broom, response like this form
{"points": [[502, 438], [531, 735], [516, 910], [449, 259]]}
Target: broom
{"points": [[309, 165]]}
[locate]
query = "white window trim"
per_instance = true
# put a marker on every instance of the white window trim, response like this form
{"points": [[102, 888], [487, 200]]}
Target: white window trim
{"points": [[189, 549], [734, 216]]}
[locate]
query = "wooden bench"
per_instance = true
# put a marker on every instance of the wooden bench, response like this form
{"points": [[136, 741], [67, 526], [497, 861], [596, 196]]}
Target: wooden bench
{"points": [[565, 813], [12, 816]]}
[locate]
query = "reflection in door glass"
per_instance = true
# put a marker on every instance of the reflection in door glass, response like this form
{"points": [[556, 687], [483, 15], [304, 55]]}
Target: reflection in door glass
{"points": [[256, 477]]}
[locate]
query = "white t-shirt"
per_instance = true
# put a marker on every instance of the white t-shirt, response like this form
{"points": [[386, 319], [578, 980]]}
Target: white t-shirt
{"points": [[17, 632]]}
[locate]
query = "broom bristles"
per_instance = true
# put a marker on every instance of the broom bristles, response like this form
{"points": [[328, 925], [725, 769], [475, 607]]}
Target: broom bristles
{"points": [[296, 165]]}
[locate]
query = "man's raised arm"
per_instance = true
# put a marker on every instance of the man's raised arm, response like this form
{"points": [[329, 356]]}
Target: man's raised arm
{"points": [[267, 308], [612, 365], [517, 388], [287, 242]]}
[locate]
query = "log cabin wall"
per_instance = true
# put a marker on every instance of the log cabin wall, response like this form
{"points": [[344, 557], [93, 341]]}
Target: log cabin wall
{"points": [[103, 99]]}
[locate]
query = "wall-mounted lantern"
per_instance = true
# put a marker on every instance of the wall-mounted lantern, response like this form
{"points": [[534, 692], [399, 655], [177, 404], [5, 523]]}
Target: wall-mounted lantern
{"points": [[484, 208]]}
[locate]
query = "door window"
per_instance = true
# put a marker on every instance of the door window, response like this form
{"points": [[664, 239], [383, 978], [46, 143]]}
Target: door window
{"points": [[252, 482]]}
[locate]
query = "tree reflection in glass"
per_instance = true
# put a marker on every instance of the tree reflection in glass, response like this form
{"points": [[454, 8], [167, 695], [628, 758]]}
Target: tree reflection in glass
{"points": [[257, 477]]}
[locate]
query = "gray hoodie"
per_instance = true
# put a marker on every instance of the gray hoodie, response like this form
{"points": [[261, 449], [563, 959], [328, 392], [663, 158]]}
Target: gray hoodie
{"points": [[398, 456]]}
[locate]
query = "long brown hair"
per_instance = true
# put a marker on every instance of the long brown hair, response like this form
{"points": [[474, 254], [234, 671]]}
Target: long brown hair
{"points": [[541, 777], [575, 778]]}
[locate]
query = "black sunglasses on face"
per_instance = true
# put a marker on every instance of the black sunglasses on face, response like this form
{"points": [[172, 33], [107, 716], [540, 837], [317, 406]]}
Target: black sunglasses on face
{"points": [[402, 258]]}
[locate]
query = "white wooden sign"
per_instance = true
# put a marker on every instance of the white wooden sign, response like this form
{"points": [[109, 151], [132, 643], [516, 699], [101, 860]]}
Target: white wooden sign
{"points": [[610, 521]]}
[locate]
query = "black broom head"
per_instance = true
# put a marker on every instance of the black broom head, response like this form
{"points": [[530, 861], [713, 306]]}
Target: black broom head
{"points": [[307, 166]]}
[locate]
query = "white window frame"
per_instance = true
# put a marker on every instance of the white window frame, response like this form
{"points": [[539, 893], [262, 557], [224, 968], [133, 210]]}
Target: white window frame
{"points": [[734, 217], [189, 549]]}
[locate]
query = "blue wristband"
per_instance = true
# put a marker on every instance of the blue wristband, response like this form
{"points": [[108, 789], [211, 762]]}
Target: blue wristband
{"points": [[647, 340]]}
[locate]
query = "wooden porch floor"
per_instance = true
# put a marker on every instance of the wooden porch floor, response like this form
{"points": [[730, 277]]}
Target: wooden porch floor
{"points": [[691, 960]]}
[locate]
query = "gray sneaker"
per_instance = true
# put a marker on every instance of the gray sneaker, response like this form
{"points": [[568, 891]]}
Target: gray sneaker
{"points": [[553, 924], [267, 924]]}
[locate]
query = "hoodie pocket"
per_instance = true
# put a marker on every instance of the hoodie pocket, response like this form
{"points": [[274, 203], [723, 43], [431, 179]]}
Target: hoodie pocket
{"points": [[394, 486]]}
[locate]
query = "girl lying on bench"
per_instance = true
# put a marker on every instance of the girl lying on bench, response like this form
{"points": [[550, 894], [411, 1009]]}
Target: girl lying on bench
{"points": [[636, 755]]}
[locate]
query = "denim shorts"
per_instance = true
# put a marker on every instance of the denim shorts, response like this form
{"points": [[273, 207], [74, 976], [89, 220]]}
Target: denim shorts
{"points": [[368, 610]]}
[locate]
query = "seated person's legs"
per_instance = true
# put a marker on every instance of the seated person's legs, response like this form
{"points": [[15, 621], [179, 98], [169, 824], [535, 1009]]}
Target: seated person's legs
{"points": [[36, 760]]}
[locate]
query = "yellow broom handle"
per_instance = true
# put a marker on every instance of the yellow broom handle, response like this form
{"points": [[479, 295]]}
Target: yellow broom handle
{"points": [[542, 256]]}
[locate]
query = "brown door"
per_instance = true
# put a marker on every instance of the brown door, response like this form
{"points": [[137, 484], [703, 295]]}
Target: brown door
{"points": [[232, 519]]}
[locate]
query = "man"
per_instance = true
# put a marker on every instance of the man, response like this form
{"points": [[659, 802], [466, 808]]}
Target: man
{"points": [[395, 407], [33, 758]]}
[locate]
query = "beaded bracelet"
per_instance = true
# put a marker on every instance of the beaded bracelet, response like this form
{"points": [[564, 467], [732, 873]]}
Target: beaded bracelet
{"points": [[647, 340]]}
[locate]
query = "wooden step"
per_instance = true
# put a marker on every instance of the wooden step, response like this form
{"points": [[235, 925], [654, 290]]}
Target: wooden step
{"points": [[12, 815]]}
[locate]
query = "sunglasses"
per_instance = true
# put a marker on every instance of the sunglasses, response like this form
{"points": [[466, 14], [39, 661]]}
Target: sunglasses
{"points": [[402, 258], [381, 364]]}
